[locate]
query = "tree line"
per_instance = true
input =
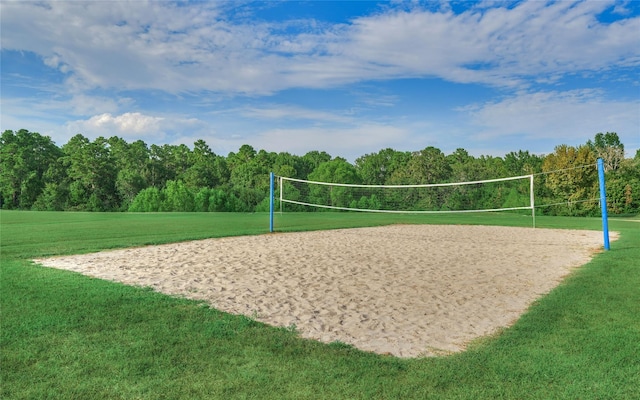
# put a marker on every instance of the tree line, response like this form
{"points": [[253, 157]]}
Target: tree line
{"points": [[111, 174]]}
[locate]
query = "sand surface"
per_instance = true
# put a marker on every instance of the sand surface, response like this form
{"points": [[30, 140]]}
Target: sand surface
{"points": [[405, 290]]}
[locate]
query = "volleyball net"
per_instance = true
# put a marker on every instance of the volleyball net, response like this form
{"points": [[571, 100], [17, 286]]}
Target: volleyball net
{"points": [[510, 194], [513, 193]]}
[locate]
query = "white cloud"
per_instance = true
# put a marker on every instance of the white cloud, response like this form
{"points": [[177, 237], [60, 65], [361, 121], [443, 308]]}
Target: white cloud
{"points": [[128, 125], [131, 123], [347, 141], [561, 117], [81, 104], [193, 47], [293, 113], [497, 45], [135, 125], [19, 114]]}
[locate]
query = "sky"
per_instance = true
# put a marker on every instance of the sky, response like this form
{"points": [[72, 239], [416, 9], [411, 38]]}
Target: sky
{"points": [[348, 78]]}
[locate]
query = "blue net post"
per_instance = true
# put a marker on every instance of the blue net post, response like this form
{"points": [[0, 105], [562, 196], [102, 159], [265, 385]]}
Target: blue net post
{"points": [[603, 204], [271, 192]]}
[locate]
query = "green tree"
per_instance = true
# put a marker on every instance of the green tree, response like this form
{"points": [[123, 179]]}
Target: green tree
{"points": [[218, 200], [464, 168], [250, 175], [522, 163], [337, 170], [572, 180], [167, 163], [285, 164], [245, 154], [92, 172], [132, 164], [158, 171], [176, 196], [310, 161], [623, 187], [608, 147], [201, 199], [376, 168], [55, 196], [203, 170], [24, 159], [425, 166], [499, 194], [249, 178], [147, 200]]}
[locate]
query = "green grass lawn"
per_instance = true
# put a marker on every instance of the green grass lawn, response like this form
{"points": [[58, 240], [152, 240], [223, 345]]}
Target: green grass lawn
{"points": [[67, 336]]}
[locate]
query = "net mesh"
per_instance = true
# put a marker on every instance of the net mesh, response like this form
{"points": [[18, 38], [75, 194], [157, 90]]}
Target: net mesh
{"points": [[513, 193]]}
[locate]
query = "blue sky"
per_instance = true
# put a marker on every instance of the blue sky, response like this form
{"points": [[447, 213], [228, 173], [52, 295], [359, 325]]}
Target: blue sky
{"points": [[348, 78]]}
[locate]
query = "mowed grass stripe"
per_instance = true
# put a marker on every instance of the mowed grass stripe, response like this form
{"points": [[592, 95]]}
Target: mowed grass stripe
{"points": [[65, 335]]}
